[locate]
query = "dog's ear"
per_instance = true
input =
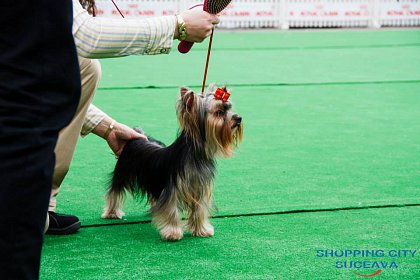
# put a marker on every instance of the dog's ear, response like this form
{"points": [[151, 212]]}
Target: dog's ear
{"points": [[189, 100], [183, 91], [187, 97]]}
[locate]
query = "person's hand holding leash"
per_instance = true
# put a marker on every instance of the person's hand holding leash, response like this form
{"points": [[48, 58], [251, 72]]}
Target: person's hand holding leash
{"points": [[212, 7], [198, 24]]}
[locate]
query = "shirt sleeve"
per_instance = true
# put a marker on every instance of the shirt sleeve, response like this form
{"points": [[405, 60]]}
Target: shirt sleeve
{"points": [[97, 37], [93, 117]]}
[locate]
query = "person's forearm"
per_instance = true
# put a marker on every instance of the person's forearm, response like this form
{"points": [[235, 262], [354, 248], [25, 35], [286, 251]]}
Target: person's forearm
{"points": [[93, 117], [105, 37]]}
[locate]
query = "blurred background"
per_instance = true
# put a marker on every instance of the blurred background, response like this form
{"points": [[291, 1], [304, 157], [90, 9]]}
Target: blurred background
{"points": [[283, 14]]}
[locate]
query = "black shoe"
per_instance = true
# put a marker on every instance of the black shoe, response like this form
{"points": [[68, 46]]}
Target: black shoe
{"points": [[61, 224]]}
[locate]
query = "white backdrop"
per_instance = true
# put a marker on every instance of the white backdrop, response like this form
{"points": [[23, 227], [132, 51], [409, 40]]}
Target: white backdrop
{"points": [[283, 13]]}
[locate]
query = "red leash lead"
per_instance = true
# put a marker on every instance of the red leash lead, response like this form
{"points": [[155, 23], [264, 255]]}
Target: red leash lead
{"points": [[207, 61], [117, 8], [208, 51]]}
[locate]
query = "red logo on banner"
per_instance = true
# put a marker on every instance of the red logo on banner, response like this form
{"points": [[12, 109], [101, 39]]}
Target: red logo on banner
{"points": [[124, 12], [146, 13], [352, 13], [241, 14], [264, 13], [395, 13], [168, 12]]}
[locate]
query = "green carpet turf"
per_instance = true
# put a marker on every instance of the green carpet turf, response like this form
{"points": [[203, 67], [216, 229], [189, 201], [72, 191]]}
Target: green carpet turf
{"points": [[331, 122], [261, 247], [311, 38], [307, 147], [259, 58]]}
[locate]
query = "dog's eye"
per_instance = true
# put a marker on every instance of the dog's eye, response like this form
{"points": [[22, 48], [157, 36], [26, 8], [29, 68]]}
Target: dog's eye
{"points": [[219, 113]]}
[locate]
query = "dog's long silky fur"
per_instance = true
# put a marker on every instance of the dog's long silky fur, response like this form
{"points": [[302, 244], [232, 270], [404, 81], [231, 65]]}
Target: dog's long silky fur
{"points": [[147, 167], [178, 178]]}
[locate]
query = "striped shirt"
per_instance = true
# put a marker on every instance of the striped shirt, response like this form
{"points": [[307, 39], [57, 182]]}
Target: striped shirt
{"points": [[93, 117], [97, 37]]}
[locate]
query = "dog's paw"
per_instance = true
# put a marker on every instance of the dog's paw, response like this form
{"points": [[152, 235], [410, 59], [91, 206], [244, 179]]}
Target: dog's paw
{"points": [[204, 231], [171, 233], [113, 214]]}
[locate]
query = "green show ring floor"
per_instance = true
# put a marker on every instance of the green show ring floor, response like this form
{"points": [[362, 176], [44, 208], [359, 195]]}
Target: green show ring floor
{"points": [[312, 147], [260, 247], [277, 58], [331, 122]]}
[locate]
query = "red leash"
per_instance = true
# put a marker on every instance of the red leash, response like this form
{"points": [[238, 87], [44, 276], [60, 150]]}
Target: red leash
{"points": [[117, 8], [208, 51], [207, 61]]}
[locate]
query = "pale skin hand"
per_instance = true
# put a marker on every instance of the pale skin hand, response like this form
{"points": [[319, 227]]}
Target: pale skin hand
{"points": [[198, 23], [118, 137]]}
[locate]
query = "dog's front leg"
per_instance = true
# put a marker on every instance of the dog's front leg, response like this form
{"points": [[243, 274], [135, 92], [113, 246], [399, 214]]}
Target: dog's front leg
{"points": [[199, 212], [198, 221], [167, 219]]}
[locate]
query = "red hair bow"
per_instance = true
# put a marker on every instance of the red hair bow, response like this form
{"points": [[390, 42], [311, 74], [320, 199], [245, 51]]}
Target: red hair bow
{"points": [[222, 94]]}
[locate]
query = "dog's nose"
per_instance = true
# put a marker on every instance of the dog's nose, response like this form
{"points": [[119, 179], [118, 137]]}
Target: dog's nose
{"points": [[237, 119]]}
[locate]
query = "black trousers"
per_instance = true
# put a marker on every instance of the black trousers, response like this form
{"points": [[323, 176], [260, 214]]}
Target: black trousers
{"points": [[39, 92]]}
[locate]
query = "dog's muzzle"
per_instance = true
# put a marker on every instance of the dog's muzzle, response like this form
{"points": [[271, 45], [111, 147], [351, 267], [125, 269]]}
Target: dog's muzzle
{"points": [[237, 119]]}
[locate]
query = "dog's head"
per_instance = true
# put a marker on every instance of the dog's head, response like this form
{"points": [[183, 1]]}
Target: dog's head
{"points": [[209, 121]]}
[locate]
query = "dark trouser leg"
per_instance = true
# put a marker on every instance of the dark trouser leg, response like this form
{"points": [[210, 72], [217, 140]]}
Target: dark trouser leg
{"points": [[26, 172], [39, 92]]}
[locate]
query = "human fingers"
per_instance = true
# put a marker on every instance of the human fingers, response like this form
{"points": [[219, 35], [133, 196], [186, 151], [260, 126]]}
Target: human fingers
{"points": [[198, 24], [126, 133], [214, 19]]}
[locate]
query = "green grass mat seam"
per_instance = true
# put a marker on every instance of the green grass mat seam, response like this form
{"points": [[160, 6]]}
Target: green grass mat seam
{"points": [[275, 84], [287, 212], [266, 247]]}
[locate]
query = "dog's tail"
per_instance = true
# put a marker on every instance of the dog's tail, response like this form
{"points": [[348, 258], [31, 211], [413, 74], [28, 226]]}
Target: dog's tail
{"points": [[124, 179]]}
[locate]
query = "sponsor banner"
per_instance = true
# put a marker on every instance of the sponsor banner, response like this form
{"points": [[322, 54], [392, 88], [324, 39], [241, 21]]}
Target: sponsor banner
{"points": [[137, 8], [281, 13], [403, 9], [245, 13], [328, 10], [399, 13]]}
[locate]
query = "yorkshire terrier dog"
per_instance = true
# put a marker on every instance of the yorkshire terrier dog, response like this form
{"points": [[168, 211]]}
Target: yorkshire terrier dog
{"points": [[178, 178]]}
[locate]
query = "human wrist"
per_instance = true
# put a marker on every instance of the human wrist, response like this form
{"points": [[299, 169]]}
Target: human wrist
{"points": [[180, 30], [176, 32], [105, 127], [109, 129]]}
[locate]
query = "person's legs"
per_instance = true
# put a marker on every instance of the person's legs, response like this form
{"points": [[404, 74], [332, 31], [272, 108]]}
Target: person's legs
{"points": [[39, 89], [25, 169], [90, 72]]}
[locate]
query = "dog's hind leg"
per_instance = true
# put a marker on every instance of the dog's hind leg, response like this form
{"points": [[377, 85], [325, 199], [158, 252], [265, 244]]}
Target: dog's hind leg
{"points": [[113, 205], [167, 219]]}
